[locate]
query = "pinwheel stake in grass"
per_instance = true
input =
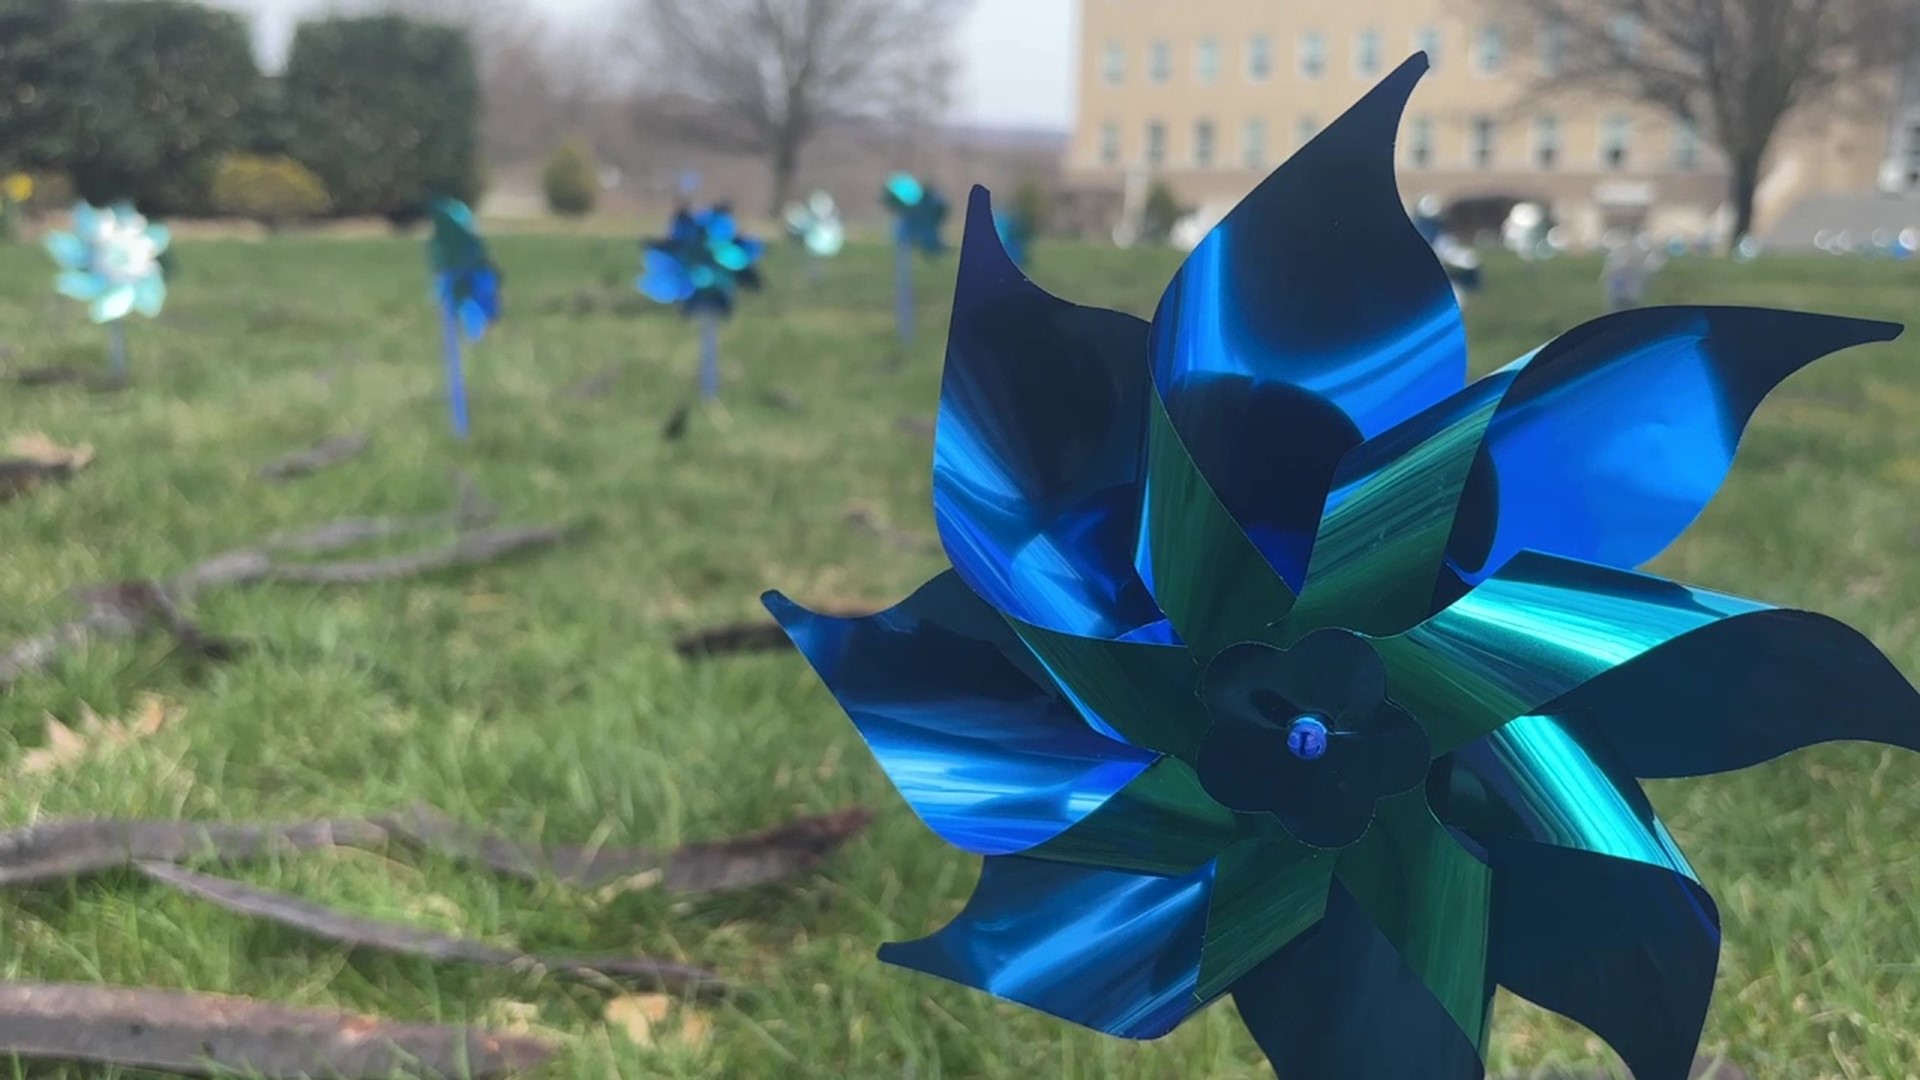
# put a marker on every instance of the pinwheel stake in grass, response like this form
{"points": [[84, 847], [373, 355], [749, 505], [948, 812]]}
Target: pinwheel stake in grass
{"points": [[467, 285], [698, 266], [1278, 661], [816, 226], [111, 262], [919, 211]]}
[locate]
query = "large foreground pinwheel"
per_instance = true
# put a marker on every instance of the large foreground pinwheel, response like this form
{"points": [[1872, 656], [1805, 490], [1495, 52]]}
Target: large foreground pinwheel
{"points": [[1276, 662]]}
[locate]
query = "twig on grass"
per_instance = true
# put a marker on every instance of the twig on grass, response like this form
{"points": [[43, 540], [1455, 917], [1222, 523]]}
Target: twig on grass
{"points": [[334, 451]]}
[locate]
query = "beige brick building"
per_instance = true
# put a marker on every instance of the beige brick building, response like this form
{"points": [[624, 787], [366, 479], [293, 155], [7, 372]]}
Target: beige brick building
{"points": [[1209, 95]]}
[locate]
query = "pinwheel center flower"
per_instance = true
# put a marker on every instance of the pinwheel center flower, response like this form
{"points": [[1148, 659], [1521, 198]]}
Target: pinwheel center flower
{"points": [[1308, 736]]}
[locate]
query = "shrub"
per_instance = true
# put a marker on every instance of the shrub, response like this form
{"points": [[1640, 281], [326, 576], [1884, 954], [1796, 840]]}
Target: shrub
{"points": [[1033, 203], [165, 97], [385, 110], [271, 190], [1160, 214], [571, 180], [44, 68]]}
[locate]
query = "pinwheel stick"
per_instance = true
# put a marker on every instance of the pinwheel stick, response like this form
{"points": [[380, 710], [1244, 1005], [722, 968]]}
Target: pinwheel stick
{"points": [[456, 378], [903, 289], [709, 356], [117, 348]]}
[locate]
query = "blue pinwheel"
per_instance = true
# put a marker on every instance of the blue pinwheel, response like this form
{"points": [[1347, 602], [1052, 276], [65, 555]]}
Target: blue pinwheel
{"points": [[919, 213], [113, 262], [1278, 661], [816, 226], [699, 265], [1015, 231], [467, 285]]}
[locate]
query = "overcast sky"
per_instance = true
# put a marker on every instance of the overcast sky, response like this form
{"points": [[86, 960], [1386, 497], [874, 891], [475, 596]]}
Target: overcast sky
{"points": [[1017, 55]]}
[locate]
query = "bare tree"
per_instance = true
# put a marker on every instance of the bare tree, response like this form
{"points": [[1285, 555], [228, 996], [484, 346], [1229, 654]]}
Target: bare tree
{"points": [[772, 72], [1735, 69]]}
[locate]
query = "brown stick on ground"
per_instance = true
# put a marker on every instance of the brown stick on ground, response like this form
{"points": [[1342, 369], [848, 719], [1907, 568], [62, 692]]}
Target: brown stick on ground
{"points": [[324, 455], [209, 1035], [355, 932], [129, 609], [63, 850]]}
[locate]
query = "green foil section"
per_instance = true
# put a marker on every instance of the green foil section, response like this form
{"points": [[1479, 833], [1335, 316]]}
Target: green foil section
{"points": [[1379, 550], [1265, 894], [1432, 899], [1161, 823], [1210, 580], [1146, 693]]}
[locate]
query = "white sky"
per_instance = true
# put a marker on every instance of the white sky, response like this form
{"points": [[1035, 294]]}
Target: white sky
{"points": [[1017, 56]]}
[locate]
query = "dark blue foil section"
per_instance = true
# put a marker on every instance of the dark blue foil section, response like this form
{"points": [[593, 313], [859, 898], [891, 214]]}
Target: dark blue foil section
{"points": [[966, 723], [1116, 952], [1036, 472]]}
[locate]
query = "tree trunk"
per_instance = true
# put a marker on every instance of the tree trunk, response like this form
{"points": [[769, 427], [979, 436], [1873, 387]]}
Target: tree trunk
{"points": [[783, 163], [1743, 184]]}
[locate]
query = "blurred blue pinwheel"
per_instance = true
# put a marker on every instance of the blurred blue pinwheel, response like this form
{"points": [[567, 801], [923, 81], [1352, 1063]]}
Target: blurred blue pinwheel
{"points": [[466, 281], [919, 212], [701, 263], [1278, 661], [111, 261], [1015, 231], [816, 226]]}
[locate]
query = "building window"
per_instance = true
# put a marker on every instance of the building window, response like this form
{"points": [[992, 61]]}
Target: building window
{"points": [[1305, 130], [1203, 144], [1481, 144], [1490, 49], [1110, 143], [1686, 146], [1159, 62], [1260, 58], [1624, 29], [1253, 143], [1546, 142], [1420, 142], [1113, 64], [1427, 40], [1366, 54], [1156, 144], [1313, 54], [1616, 131], [1206, 61], [1553, 47]]}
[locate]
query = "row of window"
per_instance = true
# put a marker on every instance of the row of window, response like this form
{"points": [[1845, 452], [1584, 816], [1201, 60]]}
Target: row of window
{"points": [[1483, 141], [1488, 51]]}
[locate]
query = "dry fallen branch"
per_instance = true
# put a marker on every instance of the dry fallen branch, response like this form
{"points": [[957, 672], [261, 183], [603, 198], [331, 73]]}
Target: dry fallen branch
{"points": [[68, 375], [129, 609], [325, 455], [208, 1035], [742, 862], [355, 932], [62, 850]]}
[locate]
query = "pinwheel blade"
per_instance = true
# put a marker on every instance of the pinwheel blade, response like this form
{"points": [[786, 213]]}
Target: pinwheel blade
{"points": [[1430, 898], [1624, 948], [965, 722], [1342, 1002], [1116, 952], [1614, 437], [1137, 691], [1037, 466]]}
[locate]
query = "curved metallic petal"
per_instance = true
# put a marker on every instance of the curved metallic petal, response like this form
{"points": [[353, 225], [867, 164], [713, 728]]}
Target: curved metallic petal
{"points": [[1552, 780], [1215, 585], [1319, 281], [1037, 457], [964, 721], [1613, 439], [1139, 691], [1540, 628], [1112, 951], [1341, 1002], [1267, 892], [1429, 896], [1625, 948], [1744, 691], [1382, 539], [68, 250], [80, 285]]}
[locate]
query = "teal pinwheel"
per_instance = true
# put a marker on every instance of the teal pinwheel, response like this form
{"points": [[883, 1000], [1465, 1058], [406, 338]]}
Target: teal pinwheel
{"points": [[111, 261], [1278, 661]]}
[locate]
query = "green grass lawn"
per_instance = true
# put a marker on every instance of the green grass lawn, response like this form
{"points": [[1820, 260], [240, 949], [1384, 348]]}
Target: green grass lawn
{"points": [[543, 696]]}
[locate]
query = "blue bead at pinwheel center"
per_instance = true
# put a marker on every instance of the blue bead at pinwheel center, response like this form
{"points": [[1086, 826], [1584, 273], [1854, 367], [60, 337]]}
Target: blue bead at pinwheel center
{"points": [[1308, 736]]}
